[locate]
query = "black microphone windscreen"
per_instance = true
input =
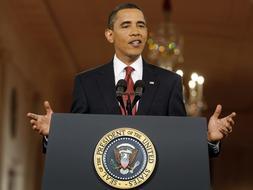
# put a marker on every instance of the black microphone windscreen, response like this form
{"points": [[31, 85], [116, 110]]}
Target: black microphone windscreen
{"points": [[122, 83], [139, 83]]}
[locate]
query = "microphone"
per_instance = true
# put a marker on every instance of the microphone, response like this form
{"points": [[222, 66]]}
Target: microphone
{"points": [[120, 90], [139, 87]]}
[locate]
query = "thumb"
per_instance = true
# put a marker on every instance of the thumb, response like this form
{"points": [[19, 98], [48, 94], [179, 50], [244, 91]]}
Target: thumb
{"points": [[217, 111], [48, 107]]}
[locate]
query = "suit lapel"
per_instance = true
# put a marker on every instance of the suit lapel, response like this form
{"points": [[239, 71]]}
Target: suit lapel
{"points": [[151, 85], [106, 84]]}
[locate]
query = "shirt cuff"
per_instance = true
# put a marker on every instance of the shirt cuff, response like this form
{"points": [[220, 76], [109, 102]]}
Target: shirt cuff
{"points": [[215, 146], [45, 138]]}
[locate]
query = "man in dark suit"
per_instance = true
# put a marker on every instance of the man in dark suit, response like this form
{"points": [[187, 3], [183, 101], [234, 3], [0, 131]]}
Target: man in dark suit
{"points": [[94, 90]]}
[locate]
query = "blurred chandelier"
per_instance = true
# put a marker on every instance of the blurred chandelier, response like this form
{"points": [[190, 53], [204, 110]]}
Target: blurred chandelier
{"points": [[165, 48]]}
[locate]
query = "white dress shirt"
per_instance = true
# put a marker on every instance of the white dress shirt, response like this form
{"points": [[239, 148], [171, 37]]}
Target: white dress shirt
{"points": [[120, 72]]}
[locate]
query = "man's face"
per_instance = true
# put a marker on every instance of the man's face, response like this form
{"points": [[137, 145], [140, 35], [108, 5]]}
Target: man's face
{"points": [[129, 34]]}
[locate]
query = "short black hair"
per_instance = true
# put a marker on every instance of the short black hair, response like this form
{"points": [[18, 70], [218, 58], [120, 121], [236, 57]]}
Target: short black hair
{"points": [[111, 18]]}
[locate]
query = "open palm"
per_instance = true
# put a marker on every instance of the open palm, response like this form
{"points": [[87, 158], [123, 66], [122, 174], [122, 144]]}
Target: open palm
{"points": [[41, 123], [219, 128]]}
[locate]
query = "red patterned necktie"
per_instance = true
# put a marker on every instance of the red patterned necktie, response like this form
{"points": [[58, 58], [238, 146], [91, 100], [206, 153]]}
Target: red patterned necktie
{"points": [[130, 88]]}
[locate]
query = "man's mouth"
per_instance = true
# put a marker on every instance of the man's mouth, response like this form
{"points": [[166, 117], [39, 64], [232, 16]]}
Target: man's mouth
{"points": [[135, 43]]}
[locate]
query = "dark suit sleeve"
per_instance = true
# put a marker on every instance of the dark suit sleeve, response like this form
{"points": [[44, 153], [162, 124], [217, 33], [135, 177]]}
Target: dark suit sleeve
{"points": [[176, 104], [80, 103]]}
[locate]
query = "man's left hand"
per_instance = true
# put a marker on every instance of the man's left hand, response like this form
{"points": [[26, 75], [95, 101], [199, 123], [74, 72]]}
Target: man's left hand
{"points": [[218, 129]]}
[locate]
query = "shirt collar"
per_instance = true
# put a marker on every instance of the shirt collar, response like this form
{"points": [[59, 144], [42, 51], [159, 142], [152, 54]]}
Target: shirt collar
{"points": [[119, 66]]}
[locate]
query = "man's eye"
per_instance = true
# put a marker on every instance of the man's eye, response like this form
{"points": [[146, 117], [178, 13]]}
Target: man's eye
{"points": [[142, 26], [124, 26]]}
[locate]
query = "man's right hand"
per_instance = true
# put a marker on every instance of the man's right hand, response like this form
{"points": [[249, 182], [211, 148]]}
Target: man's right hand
{"points": [[41, 123]]}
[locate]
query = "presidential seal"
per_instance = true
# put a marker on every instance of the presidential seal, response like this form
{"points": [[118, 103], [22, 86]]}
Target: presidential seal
{"points": [[124, 158]]}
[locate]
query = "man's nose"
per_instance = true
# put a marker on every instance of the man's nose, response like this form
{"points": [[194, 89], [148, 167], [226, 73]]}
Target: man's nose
{"points": [[135, 31]]}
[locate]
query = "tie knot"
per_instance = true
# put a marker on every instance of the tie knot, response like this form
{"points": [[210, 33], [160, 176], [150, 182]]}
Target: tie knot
{"points": [[129, 70]]}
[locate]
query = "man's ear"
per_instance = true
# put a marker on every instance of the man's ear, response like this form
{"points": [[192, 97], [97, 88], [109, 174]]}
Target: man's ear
{"points": [[109, 35]]}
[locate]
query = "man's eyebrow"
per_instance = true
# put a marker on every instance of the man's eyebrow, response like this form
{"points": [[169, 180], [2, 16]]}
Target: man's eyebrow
{"points": [[129, 22], [125, 22], [141, 22]]}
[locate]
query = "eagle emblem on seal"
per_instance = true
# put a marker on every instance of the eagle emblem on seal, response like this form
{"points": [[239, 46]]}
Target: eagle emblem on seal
{"points": [[125, 158]]}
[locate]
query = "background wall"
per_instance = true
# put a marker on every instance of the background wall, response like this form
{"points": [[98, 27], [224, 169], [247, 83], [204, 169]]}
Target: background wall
{"points": [[1, 108], [43, 44]]}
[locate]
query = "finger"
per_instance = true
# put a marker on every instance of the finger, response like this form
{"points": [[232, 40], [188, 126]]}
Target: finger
{"points": [[34, 122], [232, 115], [47, 107], [34, 127], [224, 132], [225, 129], [33, 116], [217, 111], [231, 121], [230, 129]]}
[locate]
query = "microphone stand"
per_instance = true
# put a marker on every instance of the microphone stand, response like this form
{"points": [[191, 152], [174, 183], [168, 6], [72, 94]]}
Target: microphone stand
{"points": [[129, 106], [120, 100]]}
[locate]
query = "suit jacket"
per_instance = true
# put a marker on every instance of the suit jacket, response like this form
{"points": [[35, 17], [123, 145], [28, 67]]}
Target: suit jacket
{"points": [[94, 92]]}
